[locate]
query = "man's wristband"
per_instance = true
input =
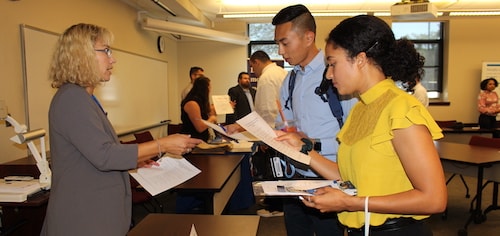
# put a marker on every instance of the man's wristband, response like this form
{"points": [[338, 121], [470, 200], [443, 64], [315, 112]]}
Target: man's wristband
{"points": [[317, 145], [307, 147]]}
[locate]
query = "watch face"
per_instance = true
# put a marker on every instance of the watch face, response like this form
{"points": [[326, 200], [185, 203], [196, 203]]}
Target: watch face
{"points": [[161, 44]]}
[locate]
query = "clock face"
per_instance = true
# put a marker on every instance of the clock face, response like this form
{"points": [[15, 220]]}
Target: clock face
{"points": [[161, 44]]}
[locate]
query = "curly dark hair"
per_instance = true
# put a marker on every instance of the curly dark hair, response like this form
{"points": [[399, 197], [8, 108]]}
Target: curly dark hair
{"points": [[485, 82], [397, 59]]}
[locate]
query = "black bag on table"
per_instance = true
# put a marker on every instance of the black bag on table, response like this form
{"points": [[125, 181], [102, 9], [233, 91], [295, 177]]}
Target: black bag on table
{"points": [[269, 164]]}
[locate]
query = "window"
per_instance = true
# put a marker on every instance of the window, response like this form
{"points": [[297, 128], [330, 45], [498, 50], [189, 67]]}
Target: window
{"points": [[428, 38], [262, 38], [429, 42]]}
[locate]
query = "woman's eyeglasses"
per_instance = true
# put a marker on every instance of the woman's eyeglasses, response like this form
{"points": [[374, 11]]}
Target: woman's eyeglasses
{"points": [[108, 51]]}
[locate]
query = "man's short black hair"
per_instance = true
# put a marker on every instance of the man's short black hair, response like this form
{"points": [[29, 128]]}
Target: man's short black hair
{"points": [[289, 13], [195, 69], [260, 55]]}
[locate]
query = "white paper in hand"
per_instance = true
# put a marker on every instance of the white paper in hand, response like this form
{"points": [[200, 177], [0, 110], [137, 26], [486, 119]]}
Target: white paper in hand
{"points": [[255, 125], [170, 173], [222, 104]]}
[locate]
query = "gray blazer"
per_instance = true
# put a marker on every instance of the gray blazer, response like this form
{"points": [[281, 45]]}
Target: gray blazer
{"points": [[90, 192]]}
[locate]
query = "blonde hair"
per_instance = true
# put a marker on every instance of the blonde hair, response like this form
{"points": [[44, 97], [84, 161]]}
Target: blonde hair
{"points": [[74, 60]]}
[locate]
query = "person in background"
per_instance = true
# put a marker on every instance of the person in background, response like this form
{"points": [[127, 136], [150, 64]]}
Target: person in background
{"points": [[295, 34], [271, 77], [90, 192], [195, 72], [487, 104], [242, 98], [415, 87], [420, 93], [195, 107], [387, 140]]}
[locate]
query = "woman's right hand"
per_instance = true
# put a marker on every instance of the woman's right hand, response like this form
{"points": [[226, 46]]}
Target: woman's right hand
{"points": [[292, 139], [178, 144]]}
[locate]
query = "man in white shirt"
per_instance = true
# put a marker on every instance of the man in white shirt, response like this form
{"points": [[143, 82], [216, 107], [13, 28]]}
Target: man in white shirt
{"points": [[420, 93], [271, 77], [194, 73]]}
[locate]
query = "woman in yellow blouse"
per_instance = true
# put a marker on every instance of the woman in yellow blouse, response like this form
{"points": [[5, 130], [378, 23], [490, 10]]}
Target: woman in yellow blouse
{"points": [[386, 145]]}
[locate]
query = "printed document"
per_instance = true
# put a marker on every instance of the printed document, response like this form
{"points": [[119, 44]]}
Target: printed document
{"points": [[171, 172], [254, 124], [236, 136], [222, 104]]}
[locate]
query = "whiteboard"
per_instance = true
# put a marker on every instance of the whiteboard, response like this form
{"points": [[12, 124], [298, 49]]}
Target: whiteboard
{"points": [[135, 97]]}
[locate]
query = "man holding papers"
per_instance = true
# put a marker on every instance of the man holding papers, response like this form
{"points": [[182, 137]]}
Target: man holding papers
{"points": [[295, 34]]}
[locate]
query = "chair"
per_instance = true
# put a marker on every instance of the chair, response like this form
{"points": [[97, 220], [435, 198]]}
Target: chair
{"points": [[174, 128], [494, 143], [446, 123], [451, 124], [142, 137]]}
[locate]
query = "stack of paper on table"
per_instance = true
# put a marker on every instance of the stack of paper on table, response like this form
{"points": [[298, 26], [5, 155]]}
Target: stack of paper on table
{"points": [[18, 191], [241, 146], [170, 173]]}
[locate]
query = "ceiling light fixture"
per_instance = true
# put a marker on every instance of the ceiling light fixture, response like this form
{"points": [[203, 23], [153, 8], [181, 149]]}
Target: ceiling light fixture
{"points": [[162, 26], [475, 13]]}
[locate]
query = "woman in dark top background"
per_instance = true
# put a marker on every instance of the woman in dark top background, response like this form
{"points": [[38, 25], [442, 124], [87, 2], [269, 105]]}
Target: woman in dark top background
{"points": [[195, 107]]}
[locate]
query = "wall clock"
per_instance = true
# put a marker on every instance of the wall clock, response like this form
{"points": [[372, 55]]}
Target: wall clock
{"points": [[161, 44]]}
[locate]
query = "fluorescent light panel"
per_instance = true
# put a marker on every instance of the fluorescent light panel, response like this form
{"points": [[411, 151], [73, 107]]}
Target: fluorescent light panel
{"points": [[384, 13], [475, 13], [192, 31]]}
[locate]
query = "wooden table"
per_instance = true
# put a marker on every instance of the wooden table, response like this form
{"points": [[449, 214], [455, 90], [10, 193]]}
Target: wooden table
{"points": [[475, 156], [464, 135], [205, 225], [220, 174]]}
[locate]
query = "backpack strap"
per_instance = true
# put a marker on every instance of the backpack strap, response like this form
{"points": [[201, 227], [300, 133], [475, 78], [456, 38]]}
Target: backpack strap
{"points": [[334, 102]]}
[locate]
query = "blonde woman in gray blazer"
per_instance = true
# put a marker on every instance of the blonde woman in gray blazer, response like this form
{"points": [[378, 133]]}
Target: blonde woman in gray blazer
{"points": [[90, 192]]}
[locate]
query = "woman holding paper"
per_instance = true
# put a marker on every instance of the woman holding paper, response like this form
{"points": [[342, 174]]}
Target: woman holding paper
{"points": [[386, 145], [195, 107], [90, 192]]}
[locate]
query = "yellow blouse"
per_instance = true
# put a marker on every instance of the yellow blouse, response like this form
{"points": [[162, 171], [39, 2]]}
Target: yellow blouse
{"points": [[366, 156]]}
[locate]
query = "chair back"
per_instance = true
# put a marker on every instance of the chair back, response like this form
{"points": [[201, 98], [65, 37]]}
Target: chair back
{"points": [[174, 128], [484, 141], [446, 123], [142, 137]]}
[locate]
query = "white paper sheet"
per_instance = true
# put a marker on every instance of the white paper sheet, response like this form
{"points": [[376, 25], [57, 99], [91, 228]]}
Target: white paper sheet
{"points": [[255, 125], [170, 173], [247, 136], [222, 104]]}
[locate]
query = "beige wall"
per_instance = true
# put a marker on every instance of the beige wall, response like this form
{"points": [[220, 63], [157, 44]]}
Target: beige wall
{"points": [[471, 41], [55, 16]]}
